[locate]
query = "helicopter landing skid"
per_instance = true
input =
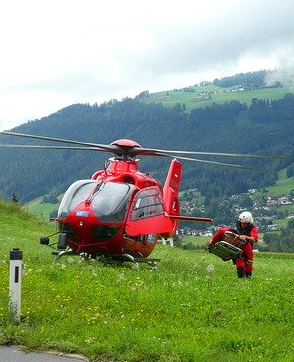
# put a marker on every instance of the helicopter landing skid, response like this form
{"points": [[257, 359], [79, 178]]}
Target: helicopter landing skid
{"points": [[59, 254], [127, 257], [120, 257]]}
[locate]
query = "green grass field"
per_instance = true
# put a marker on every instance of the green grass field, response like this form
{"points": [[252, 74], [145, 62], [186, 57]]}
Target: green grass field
{"points": [[41, 210], [196, 240], [283, 186], [191, 308], [218, 95]]}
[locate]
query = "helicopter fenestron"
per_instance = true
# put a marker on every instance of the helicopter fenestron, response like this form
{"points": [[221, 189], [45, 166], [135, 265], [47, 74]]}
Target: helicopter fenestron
{"points": [[120, 212]]}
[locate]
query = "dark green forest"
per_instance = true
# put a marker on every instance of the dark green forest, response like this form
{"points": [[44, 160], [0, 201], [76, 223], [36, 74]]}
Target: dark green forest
{"points": [[263, 127]]}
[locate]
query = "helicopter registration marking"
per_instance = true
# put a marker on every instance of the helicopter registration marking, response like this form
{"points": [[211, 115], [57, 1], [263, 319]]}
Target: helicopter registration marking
{"points": [[82, 213]]}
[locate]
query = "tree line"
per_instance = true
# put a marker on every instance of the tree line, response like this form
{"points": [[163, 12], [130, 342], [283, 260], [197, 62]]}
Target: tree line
{"points": [[251, 80]]}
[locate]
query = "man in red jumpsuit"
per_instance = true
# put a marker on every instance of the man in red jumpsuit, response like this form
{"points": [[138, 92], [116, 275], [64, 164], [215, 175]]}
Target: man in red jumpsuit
{"points": [[248, 233]]}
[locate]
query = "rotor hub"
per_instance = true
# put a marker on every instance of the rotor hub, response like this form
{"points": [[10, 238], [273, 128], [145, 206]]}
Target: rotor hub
{"points": [[126, 143]]}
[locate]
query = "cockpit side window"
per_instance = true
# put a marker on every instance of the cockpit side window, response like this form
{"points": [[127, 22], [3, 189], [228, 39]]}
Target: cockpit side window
{"points": [[148, 204]]}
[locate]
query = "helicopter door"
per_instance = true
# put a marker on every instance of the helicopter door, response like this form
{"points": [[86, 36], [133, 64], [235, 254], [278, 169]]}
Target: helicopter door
{"points": [[147, 214]]}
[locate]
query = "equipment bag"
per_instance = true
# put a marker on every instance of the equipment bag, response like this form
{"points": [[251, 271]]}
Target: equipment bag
{"points": [[225, 250]]}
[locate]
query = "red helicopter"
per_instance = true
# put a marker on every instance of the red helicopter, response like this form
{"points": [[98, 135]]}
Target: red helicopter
{"points": [[120, 212]]}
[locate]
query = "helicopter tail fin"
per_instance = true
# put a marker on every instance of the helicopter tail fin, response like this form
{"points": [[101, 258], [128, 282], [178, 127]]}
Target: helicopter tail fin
{"points": [[171, 189]]}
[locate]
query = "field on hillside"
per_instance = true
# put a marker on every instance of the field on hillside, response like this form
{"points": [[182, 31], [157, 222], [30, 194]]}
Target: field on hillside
{"points": [[41, 209], [191, 308], [283, 186], [216, 94]]}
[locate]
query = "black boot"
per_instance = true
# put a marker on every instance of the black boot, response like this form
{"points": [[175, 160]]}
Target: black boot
{"points": [[248, 274], [241, 272]]}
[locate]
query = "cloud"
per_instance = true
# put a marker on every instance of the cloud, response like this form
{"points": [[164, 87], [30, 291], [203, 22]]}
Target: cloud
{"points": [[56, 53]]}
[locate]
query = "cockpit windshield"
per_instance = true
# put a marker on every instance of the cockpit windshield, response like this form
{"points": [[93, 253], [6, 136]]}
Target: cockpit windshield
{"points": [[109, 200], [79, 191]]}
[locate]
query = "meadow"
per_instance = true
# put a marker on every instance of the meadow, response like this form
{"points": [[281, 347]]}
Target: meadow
{"points": [[190, 308], [218, 95]]}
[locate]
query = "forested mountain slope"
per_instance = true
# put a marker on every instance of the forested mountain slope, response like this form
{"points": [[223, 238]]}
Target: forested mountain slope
{"points": [[263, 127]]}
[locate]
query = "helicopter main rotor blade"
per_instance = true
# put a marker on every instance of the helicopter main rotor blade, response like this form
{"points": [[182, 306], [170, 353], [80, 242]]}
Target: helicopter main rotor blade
{"points": [[134, 150], [231, 165], [157, 152], [52, 147], [108, 148]]}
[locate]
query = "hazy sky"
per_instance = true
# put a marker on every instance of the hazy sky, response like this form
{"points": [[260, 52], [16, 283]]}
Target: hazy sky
{"points": [[58, 52]]}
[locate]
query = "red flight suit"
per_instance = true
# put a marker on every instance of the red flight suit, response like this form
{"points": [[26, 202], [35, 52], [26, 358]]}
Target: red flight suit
{"points": [[244, 264]]}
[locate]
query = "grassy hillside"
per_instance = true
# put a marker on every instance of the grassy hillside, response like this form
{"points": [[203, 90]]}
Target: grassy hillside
{"points": [[198, 98], [41, 209], [192, 308], [283, 186]]}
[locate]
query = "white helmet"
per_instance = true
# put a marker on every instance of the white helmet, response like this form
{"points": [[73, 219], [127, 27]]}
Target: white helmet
{"points": [[246, 216]]}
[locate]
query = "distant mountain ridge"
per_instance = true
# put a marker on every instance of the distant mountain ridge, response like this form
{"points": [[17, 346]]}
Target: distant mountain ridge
{"points": [[231, 126]]}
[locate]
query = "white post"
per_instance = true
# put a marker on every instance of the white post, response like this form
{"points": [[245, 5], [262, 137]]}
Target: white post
{"points": [[16, 267]]}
